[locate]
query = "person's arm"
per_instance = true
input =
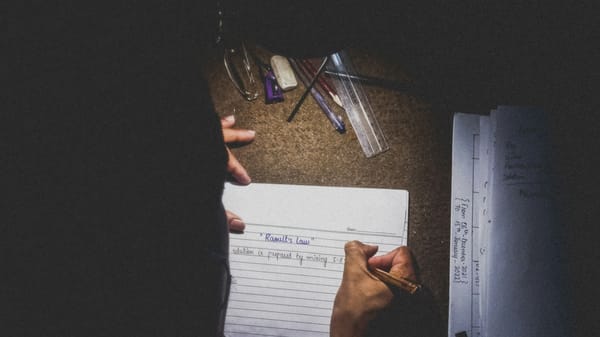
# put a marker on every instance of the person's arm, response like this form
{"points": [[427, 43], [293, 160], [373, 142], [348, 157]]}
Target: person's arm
{"points": [[362, 295]]}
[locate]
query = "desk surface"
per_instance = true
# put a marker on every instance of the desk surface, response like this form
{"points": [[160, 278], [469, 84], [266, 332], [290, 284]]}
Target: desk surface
{"points": [[417, 124]]}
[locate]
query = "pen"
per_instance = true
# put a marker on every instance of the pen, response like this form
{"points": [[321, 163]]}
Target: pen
{"points": [[398, 282], [336, 121], [309, 88], [322, 82]]}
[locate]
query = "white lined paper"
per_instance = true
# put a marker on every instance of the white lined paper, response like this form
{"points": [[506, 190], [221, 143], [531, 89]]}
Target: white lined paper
{"points": [[288, 264]]}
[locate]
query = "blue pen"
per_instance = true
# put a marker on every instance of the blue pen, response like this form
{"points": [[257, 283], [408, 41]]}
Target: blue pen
{"points": [[336, 121]]}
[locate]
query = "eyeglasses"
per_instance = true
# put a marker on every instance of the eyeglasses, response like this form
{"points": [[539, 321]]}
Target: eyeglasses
{"points": [[236, 59]]}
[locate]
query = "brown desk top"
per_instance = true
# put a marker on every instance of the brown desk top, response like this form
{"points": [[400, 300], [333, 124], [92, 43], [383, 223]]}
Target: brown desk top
{"points": [[417, 124]]}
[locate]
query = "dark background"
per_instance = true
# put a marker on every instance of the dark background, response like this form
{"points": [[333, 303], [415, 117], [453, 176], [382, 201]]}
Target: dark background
{"points": [[456, 57]]}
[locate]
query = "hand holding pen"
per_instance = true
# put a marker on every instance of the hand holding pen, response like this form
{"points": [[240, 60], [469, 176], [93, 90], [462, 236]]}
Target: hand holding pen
{"points": [[362, 294]]}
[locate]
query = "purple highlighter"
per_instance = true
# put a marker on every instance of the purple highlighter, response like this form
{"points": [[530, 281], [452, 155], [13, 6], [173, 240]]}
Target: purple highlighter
{"points": [[273, 92]]}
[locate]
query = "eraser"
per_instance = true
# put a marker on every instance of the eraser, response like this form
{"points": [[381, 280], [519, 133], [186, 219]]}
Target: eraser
{"points": [[283, 72]]}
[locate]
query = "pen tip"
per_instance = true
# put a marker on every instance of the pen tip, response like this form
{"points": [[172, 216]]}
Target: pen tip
{"points": [[342, 127]]}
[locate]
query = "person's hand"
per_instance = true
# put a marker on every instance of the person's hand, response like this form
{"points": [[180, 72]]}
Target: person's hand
{"points": [[234, 167], [235, 223], [361, 295], [231, 136], [398, 262]]}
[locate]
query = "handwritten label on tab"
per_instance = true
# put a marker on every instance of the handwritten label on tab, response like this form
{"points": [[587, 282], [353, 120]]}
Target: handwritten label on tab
{"points": [[464, 229], [460, 241]]}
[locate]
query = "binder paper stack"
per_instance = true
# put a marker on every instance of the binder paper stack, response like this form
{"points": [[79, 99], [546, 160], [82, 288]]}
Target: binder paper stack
{"points": [[507, 264]]}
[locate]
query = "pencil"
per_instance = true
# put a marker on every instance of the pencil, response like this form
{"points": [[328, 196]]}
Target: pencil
{"points": [[398, 282], [322, 82]]}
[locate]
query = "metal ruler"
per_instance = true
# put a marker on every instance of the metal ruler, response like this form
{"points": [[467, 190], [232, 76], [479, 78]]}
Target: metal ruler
{"points": [[357, 106]]}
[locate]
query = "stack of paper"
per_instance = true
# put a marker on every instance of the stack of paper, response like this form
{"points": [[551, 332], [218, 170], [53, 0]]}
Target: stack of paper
{"points": [[507, 265]]}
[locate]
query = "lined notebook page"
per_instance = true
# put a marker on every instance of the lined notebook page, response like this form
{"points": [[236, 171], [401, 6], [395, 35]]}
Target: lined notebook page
{"points": [[288, 264]]}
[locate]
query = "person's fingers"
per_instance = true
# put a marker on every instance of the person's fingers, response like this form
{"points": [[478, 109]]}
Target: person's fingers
{"points": [[236, 225], [383, 261], [231, 135], [403, 265], [238, 135], [399, 262], [237, 171], [227, 121], [387, 261]]}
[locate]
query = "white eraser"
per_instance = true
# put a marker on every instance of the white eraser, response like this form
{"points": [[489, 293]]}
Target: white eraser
{"points": [[283, 72]]}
